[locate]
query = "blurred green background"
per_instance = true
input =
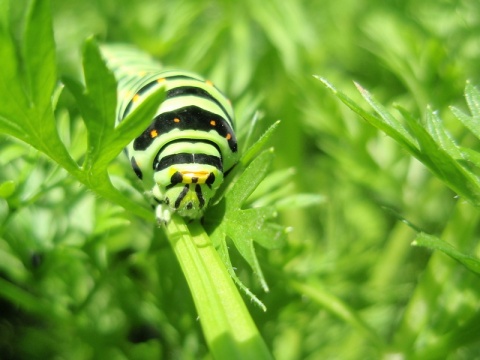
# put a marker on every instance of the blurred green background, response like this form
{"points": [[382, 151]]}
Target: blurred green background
{"points": [[348, 284]]}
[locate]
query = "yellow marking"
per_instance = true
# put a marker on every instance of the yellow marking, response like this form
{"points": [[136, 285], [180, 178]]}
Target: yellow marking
{"points": [[200, 175], [142, 73], [176, 120], [229, 136], [153, 133], [161, 80], [136, 97], [213, 123], [128, 94], [208, 82]]}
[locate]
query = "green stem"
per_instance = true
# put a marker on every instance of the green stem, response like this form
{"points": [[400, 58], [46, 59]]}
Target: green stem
{"points": [[228, 328]]}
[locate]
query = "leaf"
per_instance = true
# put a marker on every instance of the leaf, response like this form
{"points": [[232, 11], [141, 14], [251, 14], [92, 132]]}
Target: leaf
{"points": [[444, 164], [101, 89], [469, 122], [472, 123], [134, 124], [97, 101], [246, 226], [473, 100], [441, 135], [388, 124], [244, 161], [11, 92], [39, 53], [259, 144], [26, 112], [250, 179], [435, 149], [391, 125], [471, 155], [432, 242]]}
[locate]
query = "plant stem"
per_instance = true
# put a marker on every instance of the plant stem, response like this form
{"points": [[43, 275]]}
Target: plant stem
{"points": [[228, 328]]}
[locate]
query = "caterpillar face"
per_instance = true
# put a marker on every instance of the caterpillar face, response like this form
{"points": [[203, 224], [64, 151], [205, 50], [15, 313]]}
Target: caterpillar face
{"points": [[187, 174], [182, 156]]}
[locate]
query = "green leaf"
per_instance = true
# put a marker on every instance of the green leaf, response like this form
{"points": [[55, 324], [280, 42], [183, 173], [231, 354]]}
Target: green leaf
{"points": [[469, 122], [471, 156], [134, 124], [101, 87], [26, 112], [436, 150], [472, 94], [97, 103], [246, 226], [259, 144], [250, 179], [443, 162], [441, 135], [387, 124], [13, 98], [100, 103], [248, 155], [432, 242], [473, 100], [39, 53]]}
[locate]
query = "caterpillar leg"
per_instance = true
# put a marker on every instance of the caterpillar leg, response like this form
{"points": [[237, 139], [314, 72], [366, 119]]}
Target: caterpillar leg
{"points": [[163, 214]]}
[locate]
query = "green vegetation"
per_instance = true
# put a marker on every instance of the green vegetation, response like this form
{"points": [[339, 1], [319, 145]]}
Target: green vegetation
{"points": [[358, 175]]}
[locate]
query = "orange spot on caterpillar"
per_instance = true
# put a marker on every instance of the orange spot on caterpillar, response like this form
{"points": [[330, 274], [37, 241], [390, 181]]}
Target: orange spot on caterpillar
{"points": [[229, 136], [176, 120], [153, 133], [213, 123]]}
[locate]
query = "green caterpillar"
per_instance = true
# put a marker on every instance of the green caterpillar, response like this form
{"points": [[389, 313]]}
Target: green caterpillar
{"points": [[189, 146]]}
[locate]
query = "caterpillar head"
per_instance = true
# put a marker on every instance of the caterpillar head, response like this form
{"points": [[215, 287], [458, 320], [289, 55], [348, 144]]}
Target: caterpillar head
{"points": [[185, 189]]}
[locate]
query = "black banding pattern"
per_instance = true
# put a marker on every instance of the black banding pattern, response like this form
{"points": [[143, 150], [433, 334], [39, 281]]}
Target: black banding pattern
{"points": [[136, 168], [176, 178], [181, 196], [198, 92], [187, 158], [179, 91], [201, 200], [186, 118], [192, 141], [184, 192]]}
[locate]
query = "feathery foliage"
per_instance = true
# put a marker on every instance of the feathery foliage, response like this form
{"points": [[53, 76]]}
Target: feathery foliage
{"points": [[315, 224]]}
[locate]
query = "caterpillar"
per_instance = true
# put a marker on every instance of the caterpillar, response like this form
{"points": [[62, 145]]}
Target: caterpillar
{"points": [[183, 155]]}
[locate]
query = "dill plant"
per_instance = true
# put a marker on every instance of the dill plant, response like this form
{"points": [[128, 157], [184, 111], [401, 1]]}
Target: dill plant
{"points": [[84, 272]]}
